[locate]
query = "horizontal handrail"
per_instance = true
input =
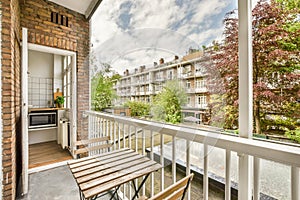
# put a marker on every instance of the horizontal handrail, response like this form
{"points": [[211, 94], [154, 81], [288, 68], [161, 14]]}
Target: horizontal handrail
{"points": [[281, 153]]}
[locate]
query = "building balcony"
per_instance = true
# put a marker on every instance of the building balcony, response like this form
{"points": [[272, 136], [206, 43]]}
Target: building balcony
{"points": [[212, 155], [190, 90], [200, 73], [203, 106], [201, 90]]}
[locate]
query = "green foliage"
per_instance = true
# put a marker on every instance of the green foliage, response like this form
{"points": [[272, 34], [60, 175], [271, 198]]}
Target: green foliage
{"points": [[293, 135], [167, 104], [138, 108], [102, 92], [60, 100], [289, 4], [280, 123]]}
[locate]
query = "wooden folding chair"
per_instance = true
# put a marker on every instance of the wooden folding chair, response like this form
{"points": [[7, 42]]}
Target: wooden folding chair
{"points": [[95, 144], [175, 191]]}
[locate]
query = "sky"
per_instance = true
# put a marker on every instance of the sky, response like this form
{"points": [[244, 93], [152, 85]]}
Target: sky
{"points": [[129, 33]]}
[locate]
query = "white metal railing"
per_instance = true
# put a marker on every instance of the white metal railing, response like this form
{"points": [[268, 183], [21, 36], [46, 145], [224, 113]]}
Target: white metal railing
{"points": [[142, 135]]}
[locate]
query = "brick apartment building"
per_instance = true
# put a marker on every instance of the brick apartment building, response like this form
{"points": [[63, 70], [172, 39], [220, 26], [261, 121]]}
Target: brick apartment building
{"points": [[142, 84], [57, 28]]}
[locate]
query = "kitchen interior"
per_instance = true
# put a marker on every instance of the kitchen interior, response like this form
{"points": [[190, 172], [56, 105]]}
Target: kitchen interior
{"points": [[49, 76]]}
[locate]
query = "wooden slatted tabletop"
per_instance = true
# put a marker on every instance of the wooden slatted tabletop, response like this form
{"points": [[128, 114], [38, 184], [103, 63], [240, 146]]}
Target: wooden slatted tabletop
{"points": [[98, 174]]}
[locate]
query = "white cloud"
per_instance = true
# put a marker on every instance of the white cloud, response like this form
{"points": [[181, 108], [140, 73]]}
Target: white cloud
{"points": [[153, 27]]}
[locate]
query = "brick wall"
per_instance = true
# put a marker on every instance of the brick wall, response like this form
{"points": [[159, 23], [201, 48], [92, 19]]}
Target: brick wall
{"points": [[10, 94], [36, 16]]}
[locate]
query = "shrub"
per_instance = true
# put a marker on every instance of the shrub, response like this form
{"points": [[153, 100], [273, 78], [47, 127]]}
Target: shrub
{"points": [[293, 135], [137, 108]]}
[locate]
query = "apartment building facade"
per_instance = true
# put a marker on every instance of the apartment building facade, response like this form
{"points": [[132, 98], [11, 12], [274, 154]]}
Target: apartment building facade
{"points": [[142, 84]]}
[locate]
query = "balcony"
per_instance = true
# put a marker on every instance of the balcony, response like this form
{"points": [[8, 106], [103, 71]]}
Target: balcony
{"points": [[201, 90], [213, 156], [203, 106]]}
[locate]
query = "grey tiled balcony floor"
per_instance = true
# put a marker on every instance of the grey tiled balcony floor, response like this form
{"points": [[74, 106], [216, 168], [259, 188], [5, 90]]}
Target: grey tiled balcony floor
{"points": [[58, 183], [53, 184]]}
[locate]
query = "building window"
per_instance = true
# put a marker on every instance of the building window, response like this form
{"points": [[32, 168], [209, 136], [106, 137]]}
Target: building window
{"points": [[158, 75], [200, 83], [170, 74], [188, 84], [202, 100], [189, 101], [67, 80], [187, 70]]}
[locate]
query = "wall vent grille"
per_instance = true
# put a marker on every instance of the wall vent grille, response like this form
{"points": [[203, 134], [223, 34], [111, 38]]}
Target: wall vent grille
{"points": [[59, 19]]}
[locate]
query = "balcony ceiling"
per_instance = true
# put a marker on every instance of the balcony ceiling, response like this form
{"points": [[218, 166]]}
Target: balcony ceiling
{"points": [[85, 7]]}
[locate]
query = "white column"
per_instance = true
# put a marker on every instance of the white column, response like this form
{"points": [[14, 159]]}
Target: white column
{"points": [[228, 175], [295, 183], [205, 173], [245, 94], [256, 175]]}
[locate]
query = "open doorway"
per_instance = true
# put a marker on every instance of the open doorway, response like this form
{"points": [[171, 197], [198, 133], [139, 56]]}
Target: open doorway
{"points": [[51, 128]]}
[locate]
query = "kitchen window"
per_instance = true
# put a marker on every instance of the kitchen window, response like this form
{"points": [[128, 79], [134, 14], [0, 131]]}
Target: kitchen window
{"points": [[67, 86]]}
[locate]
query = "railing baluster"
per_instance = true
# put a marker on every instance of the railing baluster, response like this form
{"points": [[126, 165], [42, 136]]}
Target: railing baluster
{"points": [[256, 176], [107, 129], [124, 135], [143, 142], [136, 147], [173, 159], [295, 183], [124, 146], [136, 139], [102, 128], [143, 153], [119, 136], [129, 136], [162, 156], [152, 158], [205, 169], [110, 131], [188, 164], [228, 176], [115, 134]]}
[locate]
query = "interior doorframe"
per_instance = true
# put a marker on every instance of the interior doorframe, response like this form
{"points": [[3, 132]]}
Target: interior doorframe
{"points": [[73, 115], [24, 120]]}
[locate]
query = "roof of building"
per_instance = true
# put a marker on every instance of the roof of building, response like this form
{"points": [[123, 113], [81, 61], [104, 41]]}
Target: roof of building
{"points": [[85, 7]]}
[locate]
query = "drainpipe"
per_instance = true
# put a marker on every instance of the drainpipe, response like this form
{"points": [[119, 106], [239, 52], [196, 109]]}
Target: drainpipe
{"points": [[245, 94]]}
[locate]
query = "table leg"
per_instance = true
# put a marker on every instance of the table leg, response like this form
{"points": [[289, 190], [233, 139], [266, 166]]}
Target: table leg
{"points": [[141, 185], [116, 190], [81, 195]]}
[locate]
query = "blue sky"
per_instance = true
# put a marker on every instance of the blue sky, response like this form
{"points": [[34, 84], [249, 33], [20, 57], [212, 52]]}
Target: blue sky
{"points": [[130, 33]]}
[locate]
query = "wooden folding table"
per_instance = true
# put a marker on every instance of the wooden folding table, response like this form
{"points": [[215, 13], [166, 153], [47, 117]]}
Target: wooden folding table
{"points": [[96, 175]]}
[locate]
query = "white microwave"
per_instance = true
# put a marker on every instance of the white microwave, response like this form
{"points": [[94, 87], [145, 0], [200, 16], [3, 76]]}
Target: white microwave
{"points": [[42, 120]]}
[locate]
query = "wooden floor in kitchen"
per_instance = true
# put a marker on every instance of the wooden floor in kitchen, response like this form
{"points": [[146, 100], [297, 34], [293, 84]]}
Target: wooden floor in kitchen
{"points": [[46, 153]]}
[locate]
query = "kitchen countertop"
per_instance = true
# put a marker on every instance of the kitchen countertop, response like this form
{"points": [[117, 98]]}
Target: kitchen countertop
{"points": [[44, 109]]}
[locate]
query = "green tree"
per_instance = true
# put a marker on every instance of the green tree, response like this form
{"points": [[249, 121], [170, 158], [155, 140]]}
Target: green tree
{"points": [[138, 108], [167, 104], [103, 92]]}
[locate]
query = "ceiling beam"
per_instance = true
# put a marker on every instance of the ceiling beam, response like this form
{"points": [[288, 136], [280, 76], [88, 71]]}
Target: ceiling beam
{"points": [[92, 8]]}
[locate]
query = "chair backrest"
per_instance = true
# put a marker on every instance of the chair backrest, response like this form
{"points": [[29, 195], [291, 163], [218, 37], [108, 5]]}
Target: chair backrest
{"points": [[175, 191], [95, 144]]}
